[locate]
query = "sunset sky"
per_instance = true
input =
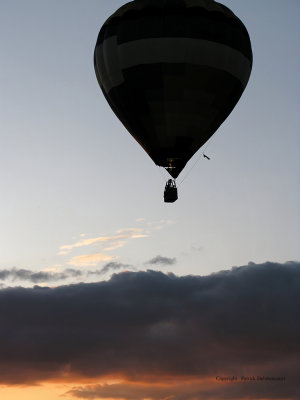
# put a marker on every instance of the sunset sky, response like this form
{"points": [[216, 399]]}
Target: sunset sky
{"points": [[106, 292]]}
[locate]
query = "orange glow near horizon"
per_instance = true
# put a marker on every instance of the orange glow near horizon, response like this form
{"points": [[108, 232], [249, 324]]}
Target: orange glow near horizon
{"points": [[45, 392], [58, 390]]}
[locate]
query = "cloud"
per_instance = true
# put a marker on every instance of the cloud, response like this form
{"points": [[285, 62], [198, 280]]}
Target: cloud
{"points": [[89, 259], [152, 329], [187, 390], [110, 267], [159, 225], [115, 245], [159, 260], [196, 247], [106, 243], [51, 275], [134, 391], [140, 220], [117, 240], [37, 277]]}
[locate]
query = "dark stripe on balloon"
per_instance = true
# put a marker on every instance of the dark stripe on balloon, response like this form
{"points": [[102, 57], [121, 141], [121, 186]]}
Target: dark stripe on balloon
{"points": [[216, 23], [168, 50]]}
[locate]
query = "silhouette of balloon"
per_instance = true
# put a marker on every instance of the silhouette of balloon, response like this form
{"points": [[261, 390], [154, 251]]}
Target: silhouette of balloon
{"points": [[172, 71]]}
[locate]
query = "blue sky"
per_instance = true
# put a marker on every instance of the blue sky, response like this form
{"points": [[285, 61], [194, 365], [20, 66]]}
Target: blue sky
{"points": [[70, 172]]}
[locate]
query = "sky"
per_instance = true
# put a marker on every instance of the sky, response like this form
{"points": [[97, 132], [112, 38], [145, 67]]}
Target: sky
{"points": [[106, 292]]}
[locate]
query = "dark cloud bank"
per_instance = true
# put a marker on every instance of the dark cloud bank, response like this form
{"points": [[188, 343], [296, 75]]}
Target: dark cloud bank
{"points": [[152, 327]]}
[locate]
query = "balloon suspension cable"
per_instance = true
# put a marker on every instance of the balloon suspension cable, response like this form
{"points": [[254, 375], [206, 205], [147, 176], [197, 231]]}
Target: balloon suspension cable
{"points": [[197, 160], [190, 170]]}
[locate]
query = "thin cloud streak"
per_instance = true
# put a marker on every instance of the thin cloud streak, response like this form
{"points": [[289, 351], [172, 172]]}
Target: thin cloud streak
{"points": [[118, 239], [208, 389], [51, 275], [113, 266], [37, 277], [110, 268], [89, 259], [105, 243], [108, 243]]}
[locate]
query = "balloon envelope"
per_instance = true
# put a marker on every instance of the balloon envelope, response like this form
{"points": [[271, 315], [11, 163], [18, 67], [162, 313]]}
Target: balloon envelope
{"points": [[172, 71]]}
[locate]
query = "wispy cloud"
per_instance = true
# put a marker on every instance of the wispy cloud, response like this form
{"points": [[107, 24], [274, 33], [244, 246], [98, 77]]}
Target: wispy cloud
{"points": [[159, 225], [115, 245], [89, 259], [51, 275], [188, 389], [114, 241], [108, 243], [103, 243], [111, 267], [196, 247], [139, 390], [160, 260], [15, 274]]}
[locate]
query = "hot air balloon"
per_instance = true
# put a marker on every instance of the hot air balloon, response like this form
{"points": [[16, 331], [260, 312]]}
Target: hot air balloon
{"points": [[172, 71]]}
